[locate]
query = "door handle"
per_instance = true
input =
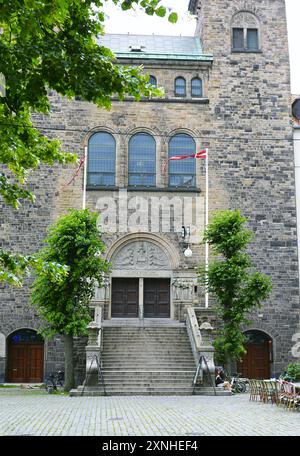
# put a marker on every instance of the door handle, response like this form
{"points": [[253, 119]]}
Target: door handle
{"points": [[15, 370]]}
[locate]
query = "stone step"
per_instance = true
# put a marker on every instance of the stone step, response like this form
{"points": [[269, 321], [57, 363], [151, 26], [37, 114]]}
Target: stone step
{"points": [[142, 360], [98, 392], [145, 333], [141, 342], [122, 378], [145, 361], [136, 352], [149, 368], [147, 371]]}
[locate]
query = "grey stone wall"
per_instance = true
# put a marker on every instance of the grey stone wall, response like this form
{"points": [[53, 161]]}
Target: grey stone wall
{"points": [[244, 119], [252, 151]]}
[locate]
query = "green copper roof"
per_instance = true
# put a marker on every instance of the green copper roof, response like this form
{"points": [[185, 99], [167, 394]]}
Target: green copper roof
{"points": [[155, 47]]}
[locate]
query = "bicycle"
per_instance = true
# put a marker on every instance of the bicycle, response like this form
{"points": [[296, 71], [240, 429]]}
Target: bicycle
{"points": [[55, 382], [238, 385]]}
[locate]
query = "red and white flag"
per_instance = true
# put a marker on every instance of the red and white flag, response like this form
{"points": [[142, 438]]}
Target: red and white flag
{"points": [[200, 154]]}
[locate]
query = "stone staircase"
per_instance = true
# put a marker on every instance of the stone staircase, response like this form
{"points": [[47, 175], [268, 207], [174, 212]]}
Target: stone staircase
{"points": [[150, 360]]}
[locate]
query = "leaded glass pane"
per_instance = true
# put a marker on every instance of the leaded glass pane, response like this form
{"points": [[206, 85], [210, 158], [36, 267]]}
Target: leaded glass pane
{"points": [[196, 87], [101, 160], [142, 160], [25, 336], [180, 86], [182, 173]]}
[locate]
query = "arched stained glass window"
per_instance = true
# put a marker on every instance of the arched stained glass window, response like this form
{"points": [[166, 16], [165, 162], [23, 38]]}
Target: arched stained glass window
{"points": [[182, 173], [142, 161], [196, 87], [180, 87], [101, 160]]}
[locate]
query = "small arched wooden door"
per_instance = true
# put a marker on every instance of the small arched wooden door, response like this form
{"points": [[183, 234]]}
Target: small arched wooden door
{"points": [[25, 357], [256, 363]]}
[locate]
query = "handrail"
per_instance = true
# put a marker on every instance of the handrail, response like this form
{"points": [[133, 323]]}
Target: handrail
{"points": [[100, 373], [194, 333], [199, 368]]}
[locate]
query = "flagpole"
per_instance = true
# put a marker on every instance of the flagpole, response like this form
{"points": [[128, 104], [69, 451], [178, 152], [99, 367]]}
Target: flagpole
{"points": [[84, 177], [206, 224]]}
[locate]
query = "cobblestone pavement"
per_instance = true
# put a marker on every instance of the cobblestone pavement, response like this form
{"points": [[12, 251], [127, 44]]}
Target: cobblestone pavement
{"points": [[35, 413]]}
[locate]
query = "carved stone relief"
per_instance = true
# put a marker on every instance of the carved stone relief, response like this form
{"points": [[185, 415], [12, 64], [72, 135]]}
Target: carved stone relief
{"points": [[101, 294], [245, 20], [140, 255], [183, 289]]}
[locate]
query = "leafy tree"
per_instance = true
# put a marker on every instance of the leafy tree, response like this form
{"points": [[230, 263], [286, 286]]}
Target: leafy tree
{"points": [[73, 241], [51, 44], [231, 277]]}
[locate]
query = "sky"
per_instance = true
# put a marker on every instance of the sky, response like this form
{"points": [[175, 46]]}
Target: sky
{"points": [[136, 22]]}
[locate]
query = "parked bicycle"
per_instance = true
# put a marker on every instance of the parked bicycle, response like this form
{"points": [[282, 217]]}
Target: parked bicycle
{"points": [[238, 384], [55, 382]]}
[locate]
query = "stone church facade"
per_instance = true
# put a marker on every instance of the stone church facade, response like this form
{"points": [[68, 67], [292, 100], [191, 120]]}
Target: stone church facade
{"points": [[226, 90]]}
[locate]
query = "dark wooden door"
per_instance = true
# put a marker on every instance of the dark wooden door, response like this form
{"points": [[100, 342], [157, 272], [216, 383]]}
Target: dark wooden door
{"points": [[125, 298], [25, 363], [157, 298], [256, 362]]}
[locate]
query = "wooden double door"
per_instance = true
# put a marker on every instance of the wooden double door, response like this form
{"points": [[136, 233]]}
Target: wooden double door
{"points": [[25, 363], [128, 293], [256, 362]]}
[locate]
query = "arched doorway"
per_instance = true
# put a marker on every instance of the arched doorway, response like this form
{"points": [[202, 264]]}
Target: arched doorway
{"points": [[25, 349], [141, 280], [256, 363]]}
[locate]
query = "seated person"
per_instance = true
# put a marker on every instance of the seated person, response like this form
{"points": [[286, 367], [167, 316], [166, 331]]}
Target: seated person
{"points": [[220, 380]]}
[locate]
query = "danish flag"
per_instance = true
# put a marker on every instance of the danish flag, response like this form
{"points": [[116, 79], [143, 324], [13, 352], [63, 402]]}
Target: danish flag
{"points": [[200, 154]]}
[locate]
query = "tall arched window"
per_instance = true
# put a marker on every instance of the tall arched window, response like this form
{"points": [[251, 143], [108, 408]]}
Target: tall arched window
{"points": [[142, 161], [182, 173], [196, 87], [180, 87], [101, 160]]}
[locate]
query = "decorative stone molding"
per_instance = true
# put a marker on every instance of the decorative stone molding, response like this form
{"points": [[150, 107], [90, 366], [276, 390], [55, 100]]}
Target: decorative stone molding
{"points": [[160, 253], [93, 330], [245, 19], [140, 255], [102, 294], [183, 289]]}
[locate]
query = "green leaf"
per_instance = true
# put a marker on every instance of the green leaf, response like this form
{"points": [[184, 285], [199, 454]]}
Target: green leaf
{"points": [[161, 11], [173, 18]]}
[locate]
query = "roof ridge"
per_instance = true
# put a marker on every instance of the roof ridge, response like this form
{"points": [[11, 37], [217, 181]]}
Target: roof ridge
{"points": [[151, 35]]}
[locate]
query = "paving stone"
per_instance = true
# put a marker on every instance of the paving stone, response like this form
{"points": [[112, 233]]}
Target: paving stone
{"points": [[47, 415]]}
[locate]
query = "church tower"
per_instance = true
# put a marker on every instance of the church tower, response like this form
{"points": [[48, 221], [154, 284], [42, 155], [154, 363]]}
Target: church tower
{"points": [[251, 151]]}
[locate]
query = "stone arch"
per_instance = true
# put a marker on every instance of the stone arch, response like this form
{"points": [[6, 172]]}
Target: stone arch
{"points": [[98, 129], [178, 131], [249, 8], [170, 256], [142, 129], [245, 19]]}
